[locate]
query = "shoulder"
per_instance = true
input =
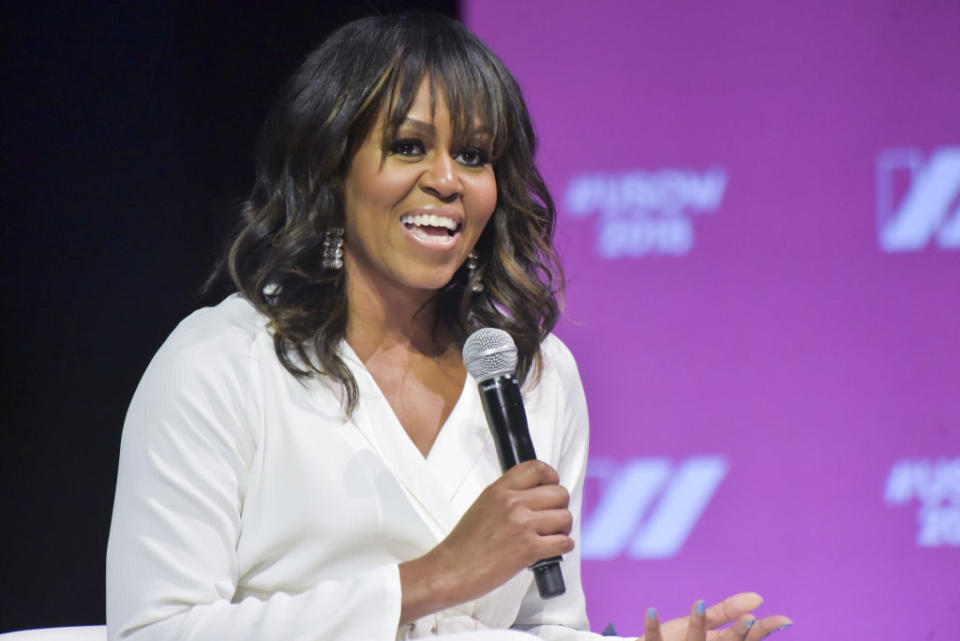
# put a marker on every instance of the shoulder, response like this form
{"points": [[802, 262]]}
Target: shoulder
{"points": [[557, 360], [215, 346], [200, 391], [560, 388], [553, 347], [233, 324], [558, 376], [224, 331]]}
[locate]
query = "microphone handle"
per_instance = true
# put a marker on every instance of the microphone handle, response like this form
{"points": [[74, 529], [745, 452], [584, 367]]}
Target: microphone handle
{"points": [[503, 406]]}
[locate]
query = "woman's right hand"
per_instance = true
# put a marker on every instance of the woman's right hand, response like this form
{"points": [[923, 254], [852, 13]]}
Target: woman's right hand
{"points": [[519, 519]]}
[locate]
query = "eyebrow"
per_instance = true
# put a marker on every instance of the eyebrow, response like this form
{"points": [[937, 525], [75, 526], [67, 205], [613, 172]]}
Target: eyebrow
{"points": [[428, 128], [419, 125]]}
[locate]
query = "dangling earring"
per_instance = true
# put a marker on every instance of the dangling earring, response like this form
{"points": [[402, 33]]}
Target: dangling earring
{"points": [[472, 277], [333, 248]]}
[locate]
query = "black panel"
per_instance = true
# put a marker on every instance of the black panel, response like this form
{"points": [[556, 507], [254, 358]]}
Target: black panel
{"points": [[127, 133]]}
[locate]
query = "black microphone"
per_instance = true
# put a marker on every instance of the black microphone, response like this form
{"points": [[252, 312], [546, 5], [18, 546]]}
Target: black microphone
{"points": [[490, 355]]}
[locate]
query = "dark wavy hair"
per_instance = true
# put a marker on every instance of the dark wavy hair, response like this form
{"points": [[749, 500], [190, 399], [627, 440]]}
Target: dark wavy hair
{"points": [[368, 68]]}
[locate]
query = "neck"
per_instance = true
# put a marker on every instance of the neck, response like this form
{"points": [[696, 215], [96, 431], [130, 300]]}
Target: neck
{"points": [[383, 317]]}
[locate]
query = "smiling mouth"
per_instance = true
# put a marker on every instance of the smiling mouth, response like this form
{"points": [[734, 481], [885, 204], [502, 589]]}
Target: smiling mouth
{"points": [[431, 225]]}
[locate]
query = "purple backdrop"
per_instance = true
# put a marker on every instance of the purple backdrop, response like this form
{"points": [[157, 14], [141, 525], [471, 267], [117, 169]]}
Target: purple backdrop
{"points": [[760, 221]]}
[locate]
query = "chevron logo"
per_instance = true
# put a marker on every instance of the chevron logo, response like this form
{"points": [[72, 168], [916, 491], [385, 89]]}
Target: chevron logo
{"points": [[928, 209], [646, 507]]}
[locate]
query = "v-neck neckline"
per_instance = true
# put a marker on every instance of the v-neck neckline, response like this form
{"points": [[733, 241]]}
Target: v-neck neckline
{"points": [[433, 481], [442, 433]]}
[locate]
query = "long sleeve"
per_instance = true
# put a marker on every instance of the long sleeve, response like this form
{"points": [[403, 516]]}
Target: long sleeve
{"points": [[248, 506], [191, 441]]}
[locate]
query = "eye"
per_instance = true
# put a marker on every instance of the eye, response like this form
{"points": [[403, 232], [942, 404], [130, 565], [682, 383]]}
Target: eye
{"points": [[408, 147], [472, 157]]}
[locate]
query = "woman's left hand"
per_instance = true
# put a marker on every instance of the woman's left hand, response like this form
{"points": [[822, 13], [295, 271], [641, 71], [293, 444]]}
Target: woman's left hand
{"points": [[702, 623]]}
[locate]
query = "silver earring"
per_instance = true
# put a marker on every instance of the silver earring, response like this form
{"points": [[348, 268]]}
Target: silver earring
{"points": [[472, 276], [333, 248]]}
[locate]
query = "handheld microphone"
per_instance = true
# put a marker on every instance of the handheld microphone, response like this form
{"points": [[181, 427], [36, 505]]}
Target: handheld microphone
{"points": [[490, 355]]}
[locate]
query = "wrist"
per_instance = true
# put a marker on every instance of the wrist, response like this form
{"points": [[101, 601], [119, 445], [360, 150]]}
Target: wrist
{"points": [[427, 586]]}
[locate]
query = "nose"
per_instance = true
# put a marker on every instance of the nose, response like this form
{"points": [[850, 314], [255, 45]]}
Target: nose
{"points": [[442, 178]]}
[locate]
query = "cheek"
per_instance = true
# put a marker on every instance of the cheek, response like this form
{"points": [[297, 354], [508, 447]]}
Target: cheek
{"points": [[374, 189], [484, 197], [388, 188]]}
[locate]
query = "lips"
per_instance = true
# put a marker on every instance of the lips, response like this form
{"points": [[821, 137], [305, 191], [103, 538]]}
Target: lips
{"points": [[431, 221], [433, 228]]}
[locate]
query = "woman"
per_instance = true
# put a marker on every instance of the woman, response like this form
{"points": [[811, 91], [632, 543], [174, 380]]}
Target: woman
{"points": [[309, 459]]}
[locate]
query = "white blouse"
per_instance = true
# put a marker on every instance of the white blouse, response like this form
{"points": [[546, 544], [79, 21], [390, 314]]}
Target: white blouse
{"points": [[248, 507]]}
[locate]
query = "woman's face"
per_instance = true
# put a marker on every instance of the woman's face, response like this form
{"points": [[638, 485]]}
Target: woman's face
{"points": [[415, 209]]}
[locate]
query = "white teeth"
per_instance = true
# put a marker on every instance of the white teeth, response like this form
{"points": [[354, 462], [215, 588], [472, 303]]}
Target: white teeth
{"points": [[430, 220]]}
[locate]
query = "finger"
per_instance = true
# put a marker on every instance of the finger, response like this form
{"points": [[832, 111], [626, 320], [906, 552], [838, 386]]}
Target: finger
{"points": [[546, 497], [697, 628], [731, 608], [553, 522], [530, 474], [739, 630], [763, 627], [651, 626], [552, 545], [674, 629]]}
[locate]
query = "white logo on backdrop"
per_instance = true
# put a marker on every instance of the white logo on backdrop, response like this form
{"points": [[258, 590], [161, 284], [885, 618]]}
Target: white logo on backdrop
{"points": [[647, 507], [929, 208], [935, 485], [645, 212]]}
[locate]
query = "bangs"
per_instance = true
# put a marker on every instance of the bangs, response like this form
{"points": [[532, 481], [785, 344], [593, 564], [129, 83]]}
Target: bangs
{"points": [[465, 74]]}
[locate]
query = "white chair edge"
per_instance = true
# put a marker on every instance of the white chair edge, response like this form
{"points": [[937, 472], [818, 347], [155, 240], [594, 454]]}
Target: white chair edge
{"points": [[76, 633]]}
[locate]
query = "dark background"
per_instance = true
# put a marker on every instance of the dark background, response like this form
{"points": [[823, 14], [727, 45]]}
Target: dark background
{"points": [[127, 133]]}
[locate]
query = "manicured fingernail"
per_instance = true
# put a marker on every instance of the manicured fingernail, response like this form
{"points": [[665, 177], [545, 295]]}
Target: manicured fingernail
{"points": [[784, 626], [749, 624], [701, 608], [652, 613]]}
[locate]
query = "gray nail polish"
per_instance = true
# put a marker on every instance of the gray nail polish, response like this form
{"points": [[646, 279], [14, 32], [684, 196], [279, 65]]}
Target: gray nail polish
{"points": [[651, 613], [701, 608], [784, 626], [749, 624]]}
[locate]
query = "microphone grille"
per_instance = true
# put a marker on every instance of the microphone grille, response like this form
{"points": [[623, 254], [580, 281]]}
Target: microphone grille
{"points": [[489, 352]]}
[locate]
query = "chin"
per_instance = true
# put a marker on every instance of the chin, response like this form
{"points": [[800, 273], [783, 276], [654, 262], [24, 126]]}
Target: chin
{"points": [[431, 280], [433, 285]]}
